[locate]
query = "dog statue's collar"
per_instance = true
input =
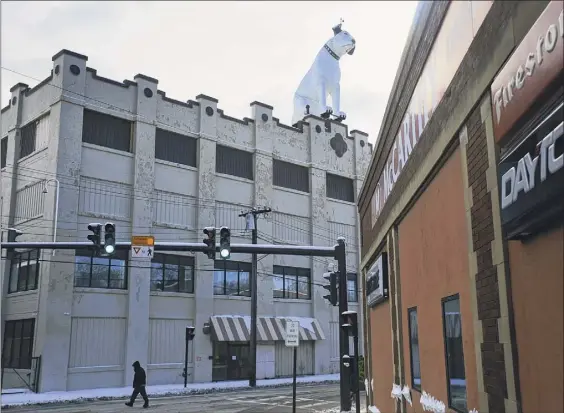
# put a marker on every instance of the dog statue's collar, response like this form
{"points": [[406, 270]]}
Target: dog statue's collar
{"points": [[331, 52]]}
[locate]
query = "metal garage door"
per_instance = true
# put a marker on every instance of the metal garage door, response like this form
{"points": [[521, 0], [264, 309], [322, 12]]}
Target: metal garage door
{"points": [[285, 359]]}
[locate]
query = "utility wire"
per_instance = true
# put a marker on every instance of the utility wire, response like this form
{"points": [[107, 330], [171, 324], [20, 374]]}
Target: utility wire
{"points": [[198, 203]]}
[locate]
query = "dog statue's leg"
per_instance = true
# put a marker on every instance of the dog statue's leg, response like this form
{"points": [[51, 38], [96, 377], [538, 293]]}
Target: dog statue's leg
{"points": [[336, 98], [322, 90]]}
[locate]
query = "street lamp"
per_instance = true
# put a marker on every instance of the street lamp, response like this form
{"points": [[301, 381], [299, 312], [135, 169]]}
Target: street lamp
{"points": [[56, 181]]}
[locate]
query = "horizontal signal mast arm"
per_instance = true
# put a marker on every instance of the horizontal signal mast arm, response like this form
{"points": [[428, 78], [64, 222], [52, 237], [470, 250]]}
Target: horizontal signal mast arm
{"points": [[304, 250]]}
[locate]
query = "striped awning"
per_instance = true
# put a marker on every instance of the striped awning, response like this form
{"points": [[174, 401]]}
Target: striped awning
{"points": [[238, 328]]}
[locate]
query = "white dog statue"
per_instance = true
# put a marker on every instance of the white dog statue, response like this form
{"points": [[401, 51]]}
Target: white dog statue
{"points": [[323, 78]]}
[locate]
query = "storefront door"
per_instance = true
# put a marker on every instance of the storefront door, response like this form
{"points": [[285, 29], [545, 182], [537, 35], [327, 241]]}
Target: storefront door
{"points": [[230, 361]]}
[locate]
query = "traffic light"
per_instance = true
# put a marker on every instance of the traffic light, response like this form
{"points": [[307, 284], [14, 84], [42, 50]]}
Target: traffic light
{"points": [[109, 238], [349, 321], [13, 234], [333, 296], [224, 243], [95, 236], [210, 242]]}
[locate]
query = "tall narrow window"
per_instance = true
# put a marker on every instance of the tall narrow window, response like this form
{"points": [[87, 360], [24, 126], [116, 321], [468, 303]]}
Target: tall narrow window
{"points": [[3, 152], [456, 375], [352, 287], [27, 139], [414, 349], [18, 343]]}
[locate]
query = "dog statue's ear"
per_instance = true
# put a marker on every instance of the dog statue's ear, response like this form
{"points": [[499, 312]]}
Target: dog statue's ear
{"points": [[337, 28]]}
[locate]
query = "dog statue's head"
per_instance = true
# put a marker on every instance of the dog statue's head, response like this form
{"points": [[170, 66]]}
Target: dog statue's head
{"points": [[342, 41]]}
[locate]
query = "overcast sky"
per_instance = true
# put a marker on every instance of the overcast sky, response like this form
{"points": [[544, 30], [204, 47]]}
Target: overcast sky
{"points": [[237, 52]]}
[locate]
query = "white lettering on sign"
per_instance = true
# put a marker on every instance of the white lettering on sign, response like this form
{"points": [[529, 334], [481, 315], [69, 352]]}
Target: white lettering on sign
{"points": [[521, 178], [292, 333], [546, 43]]}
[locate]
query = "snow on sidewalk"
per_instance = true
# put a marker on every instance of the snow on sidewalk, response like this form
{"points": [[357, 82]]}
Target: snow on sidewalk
{"points": [[163, 390]]}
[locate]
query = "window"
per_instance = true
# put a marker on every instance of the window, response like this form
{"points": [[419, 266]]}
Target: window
{"points": [[3, 152], [339, 187], [18, 344], [105, 130], [92, 271], [456, 376], [174, 147], [289, 175], [24, 271], [352, 288], [232, 278], [231, 161], [173, 273], [27, 139], [414, 348], [292, 282]]}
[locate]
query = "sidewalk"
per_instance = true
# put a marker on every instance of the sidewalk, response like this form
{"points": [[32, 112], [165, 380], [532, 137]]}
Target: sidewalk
{"points": [[29, 398]]}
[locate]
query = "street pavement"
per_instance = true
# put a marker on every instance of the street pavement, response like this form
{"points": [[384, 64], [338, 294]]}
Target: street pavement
{"points": [[310, 399]]}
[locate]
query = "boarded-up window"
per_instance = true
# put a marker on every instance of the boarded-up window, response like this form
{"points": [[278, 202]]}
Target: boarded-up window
{"points": [[27, 139], [105, 130], [231, 161], [289, 175], [339, 187], [3, 152], [174, 147]]}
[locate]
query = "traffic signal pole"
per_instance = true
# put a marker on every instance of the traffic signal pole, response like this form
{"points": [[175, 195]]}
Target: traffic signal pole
{"points": [[341, 257], [337, 252]]}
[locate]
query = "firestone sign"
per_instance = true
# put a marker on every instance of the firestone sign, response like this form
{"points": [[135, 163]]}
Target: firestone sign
{"points": [[536, 62]]}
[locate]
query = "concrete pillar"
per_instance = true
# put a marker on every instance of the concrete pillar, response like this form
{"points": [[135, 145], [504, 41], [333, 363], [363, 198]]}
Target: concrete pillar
{"points": [[205, 217], [64, 159], [263, 125], [137, 341], [12, 118]]}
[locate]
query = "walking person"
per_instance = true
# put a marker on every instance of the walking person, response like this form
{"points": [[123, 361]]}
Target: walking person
{"points": [[139, 383]]}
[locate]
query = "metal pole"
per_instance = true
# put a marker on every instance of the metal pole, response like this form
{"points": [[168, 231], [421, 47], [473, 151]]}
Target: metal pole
{"points": [[357, 373], [254, 305], [341, 257], [302, 250], [186, 359], [294, 380]]}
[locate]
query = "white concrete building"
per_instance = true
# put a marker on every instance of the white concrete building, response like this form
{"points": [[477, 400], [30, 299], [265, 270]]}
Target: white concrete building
{"points": [[126, 153]]}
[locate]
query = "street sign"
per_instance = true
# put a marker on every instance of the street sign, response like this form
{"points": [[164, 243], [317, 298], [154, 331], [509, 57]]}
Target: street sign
{"points": [[142, 246], [292, 333]]}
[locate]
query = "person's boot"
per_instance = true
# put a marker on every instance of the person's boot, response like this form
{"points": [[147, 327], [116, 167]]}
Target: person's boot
{"points": [[130, 404], [146, 405]]}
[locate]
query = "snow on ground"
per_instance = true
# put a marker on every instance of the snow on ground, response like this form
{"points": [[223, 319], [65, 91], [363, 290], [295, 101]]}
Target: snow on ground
{"points": [[163, 390]]}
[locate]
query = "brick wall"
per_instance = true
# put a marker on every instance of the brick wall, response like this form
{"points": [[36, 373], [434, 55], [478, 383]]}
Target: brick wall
{"points": [[487, 288]]}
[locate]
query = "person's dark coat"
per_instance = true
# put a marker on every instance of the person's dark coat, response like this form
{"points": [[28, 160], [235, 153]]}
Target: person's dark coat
{"points": [[139, 378]]}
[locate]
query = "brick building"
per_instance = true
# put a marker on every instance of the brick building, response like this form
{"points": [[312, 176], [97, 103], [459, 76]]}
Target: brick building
{"points": [[462, 214]]}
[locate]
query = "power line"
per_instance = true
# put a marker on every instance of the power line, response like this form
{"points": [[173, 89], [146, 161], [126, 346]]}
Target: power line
{"points": [[197, 203]]}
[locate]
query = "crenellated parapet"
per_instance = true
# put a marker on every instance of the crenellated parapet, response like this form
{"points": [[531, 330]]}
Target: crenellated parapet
{"points": [[344, 151]]}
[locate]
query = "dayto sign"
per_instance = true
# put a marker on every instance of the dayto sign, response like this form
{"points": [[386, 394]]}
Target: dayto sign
{"points": [[532, 174], [462, 21], [537, 62]]}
